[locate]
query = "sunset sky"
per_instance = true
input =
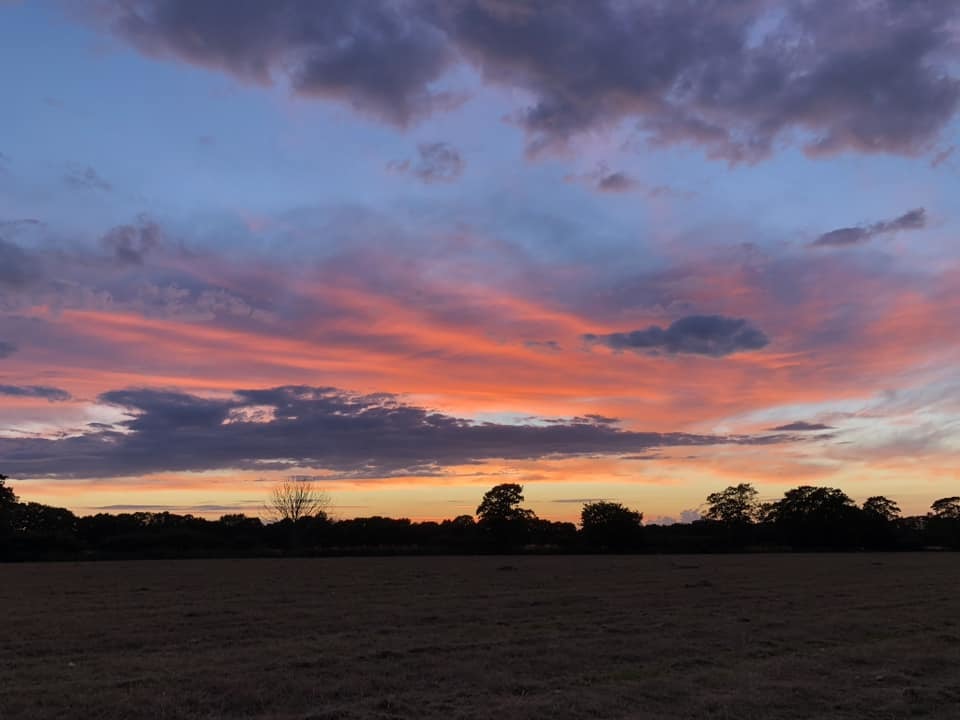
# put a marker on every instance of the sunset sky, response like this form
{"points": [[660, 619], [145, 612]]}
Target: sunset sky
{"points": [[636, 251]]}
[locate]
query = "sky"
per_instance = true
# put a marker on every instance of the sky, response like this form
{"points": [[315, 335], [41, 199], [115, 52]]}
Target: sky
{"points": [[635, 251]]}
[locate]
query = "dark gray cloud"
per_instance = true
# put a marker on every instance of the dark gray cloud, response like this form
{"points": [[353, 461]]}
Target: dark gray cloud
{"points": [[7, 349], [605, 180], [86, 178], [713, 335], [321, 428], [736, 77], [436, 162], [35, 391], [130, 244], [378, 57], [800, 426], [910, 220], [616, 182]]}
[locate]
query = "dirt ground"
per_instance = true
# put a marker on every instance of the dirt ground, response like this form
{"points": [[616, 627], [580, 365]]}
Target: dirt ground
{"points": [[748, 636]]}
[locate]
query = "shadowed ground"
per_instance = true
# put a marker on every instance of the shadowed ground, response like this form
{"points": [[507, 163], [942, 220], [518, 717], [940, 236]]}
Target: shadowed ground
{"points": [[766, 637]]}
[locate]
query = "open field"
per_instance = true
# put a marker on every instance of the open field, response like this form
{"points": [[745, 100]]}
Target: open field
{"points": [[778, 636]]}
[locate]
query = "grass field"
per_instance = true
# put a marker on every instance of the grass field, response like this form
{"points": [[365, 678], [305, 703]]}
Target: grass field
{"points": [[747, 636]]}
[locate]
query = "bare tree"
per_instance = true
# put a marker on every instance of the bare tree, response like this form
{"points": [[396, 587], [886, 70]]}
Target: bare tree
{"points": [[296, 498]]}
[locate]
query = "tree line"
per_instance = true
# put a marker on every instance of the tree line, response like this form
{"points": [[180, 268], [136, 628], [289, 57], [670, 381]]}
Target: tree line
{"points": [[734, 520]]}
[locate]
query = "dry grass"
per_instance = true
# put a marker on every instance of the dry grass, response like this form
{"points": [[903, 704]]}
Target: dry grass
{"points": [[831, 636]]}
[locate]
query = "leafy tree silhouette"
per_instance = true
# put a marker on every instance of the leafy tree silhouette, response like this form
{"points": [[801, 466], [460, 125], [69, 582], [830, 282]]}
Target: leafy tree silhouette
{"points": [[460, 532], [735, 508], [611, 525], [45, 528], [947, 508], [735, 505], [881, 508], [502, 519], [8, 502], [880, 517], [814, 517], [7, 496], [943, 523]]}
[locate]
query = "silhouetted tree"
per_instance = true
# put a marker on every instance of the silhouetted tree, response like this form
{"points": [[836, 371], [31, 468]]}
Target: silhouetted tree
{"points": [[296, 498], [880, 516], [8, 501], [102, 529], [35, 518], [239, 520], [42, 528], [502, 502], [459, 533], [237, 531], [501, 517], [460, 524], [731, 515], [375, 532], [943, 523], [551, 534], [292, 503], [881, 508], [7, 497], [611, 525], [947, 508], [814, 516], [735, 505]]}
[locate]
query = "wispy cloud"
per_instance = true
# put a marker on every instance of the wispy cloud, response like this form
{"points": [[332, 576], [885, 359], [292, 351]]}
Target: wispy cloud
{"points": [[44, 392], [436, 162], [605, 180], [859, 234], [86, 178]]}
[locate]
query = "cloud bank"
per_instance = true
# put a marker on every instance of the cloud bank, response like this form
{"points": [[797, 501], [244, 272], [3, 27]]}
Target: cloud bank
{"points": [[312, 427], [737, 78]]}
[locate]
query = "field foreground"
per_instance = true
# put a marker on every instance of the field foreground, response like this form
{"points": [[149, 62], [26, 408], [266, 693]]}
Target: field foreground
{"points": [[747, 636]]}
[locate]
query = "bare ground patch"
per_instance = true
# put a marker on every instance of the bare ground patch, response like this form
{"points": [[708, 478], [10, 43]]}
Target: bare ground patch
{"points": [[748, 636]]}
